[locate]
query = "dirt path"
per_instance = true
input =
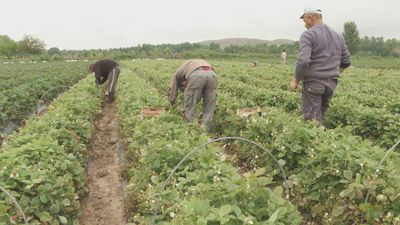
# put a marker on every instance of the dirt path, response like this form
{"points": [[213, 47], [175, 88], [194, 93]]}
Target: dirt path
{"points": [[104, 204]]}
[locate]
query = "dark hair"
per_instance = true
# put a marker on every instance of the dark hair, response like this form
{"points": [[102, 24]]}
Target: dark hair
{"points": [[91, 67]]}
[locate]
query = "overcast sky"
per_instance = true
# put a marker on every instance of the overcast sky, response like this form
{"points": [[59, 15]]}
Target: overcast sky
{"points": [[88, 24]]}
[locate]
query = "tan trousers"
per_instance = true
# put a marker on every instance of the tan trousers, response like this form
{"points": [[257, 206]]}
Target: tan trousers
{"points": [[201, 84]]}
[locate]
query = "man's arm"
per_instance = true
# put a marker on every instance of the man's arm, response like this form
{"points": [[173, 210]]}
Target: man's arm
{"points": [[345, 60], [303, 60], [304, 56], [176, 82], [99, 79], [173, 90], [294, 84]]}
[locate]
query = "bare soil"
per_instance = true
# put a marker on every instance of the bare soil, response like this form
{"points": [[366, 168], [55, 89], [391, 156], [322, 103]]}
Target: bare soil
{"points": [[104, 204]]}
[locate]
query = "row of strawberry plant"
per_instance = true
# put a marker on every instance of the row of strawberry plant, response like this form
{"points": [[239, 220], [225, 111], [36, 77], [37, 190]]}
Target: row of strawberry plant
{"points": [[24, 85], [43, 165], [330, 171], [376, 120], [205, 189], [338, 165], [330, 181], [330, 178], [268, 87]]}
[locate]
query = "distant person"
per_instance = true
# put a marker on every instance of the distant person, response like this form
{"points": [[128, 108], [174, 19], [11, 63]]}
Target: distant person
{"points": [[322, 56], [104, 70], [256, 63], [283, 57], [198, 80], [175, 55]]}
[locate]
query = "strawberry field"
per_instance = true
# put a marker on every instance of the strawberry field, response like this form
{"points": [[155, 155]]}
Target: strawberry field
{"points": [[26, 87], [332, 173]]}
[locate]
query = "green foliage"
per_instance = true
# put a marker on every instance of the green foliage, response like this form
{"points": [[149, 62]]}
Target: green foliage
{"points": [[8, 47], [31, 45], [53, 51], [23, 85], [206, 189], [43, 165], [330, 171], [351, 37]]}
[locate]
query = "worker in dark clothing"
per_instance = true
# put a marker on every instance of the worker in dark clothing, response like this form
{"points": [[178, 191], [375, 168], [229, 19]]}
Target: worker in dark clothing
{"points": [[323, 55], [198, 80], [104, 70]]}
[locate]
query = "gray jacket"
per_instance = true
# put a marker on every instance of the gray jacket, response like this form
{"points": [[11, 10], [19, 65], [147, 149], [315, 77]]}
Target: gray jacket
{"points": [[322, 53]]}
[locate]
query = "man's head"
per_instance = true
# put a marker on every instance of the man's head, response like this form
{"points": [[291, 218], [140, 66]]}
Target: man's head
{"points": [[91, 68], [311, 17]]}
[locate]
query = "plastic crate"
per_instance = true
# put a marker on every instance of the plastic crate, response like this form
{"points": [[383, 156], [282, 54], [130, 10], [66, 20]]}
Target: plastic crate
{"points": [[147, 111]]}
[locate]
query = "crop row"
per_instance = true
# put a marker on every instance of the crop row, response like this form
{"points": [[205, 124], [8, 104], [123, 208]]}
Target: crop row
{"points": [[266, 87], [23, 86], [205, 189], [43, 166]]}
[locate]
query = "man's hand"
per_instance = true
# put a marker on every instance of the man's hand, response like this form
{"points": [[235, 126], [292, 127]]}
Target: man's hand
{"points": [[294, 84], [182, 86]]}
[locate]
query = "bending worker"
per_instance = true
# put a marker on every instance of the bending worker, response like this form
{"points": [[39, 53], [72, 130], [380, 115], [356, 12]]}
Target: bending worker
{"points": [[104, 70], [198, 80]]}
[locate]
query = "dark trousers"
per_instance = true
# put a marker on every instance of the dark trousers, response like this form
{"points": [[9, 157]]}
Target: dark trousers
{"points": [[201, 84], [316, 97], [112, 82]]}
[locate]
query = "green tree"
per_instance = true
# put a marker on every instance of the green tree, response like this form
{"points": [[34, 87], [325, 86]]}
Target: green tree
{"points": [[8, 47], [31, 45], [53, 51], [215, 46], [351, 36]]}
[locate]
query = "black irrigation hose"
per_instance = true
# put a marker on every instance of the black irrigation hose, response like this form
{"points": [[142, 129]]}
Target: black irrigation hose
{"points": [[377, 170], [155, 212], [15, 203]]}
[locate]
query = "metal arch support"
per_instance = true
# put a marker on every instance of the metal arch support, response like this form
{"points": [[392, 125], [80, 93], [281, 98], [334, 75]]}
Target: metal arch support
{"points": [[166, 182], [392, 149], [15, 203], [41, 98]]}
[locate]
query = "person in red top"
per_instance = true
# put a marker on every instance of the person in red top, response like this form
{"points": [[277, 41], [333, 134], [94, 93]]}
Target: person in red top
{"points": [[104, 70], [198, 80]]}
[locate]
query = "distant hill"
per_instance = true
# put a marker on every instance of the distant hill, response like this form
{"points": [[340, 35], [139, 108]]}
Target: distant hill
{"points": [[245, 41]]}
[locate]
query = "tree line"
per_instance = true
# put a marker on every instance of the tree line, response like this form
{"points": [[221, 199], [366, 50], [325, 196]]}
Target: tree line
{"points": [[31, 47], [27, 46], [376, 46]]}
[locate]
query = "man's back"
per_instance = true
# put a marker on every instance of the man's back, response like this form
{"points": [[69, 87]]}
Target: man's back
{"points": [[322, 52], [104, 67]]}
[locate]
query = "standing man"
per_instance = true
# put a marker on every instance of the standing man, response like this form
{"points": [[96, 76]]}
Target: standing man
{"points": [[323, 55], [104, 70], [283, 57], [198, 80]]}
